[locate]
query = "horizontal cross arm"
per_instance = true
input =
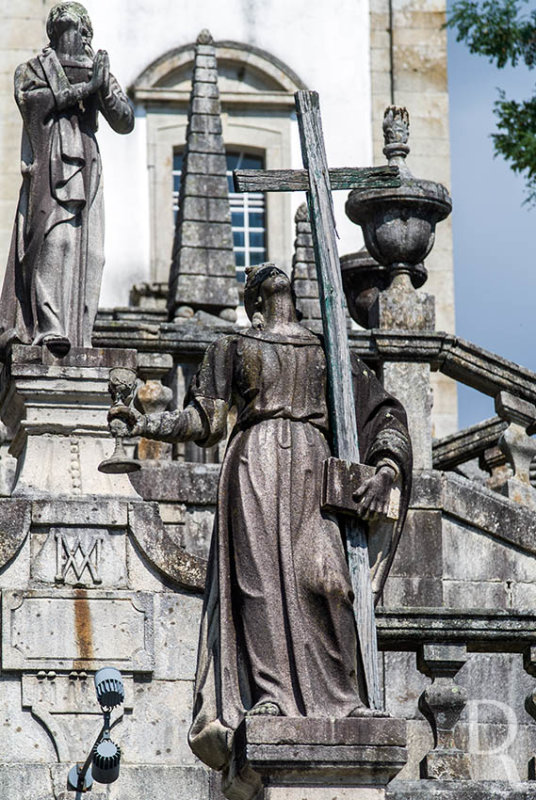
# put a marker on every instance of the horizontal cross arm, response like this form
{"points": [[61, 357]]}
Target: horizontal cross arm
{"points": [[296, 180]]}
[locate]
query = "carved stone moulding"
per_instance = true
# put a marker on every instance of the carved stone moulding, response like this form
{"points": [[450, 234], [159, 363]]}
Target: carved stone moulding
{"points": [[53, 629]]}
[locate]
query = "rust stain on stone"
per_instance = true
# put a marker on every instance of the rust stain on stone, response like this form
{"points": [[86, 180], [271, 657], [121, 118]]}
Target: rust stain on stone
{"points": [[83, 629]]}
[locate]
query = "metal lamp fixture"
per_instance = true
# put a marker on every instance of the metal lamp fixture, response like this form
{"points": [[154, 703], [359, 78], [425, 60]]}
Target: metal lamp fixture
{"points": [[105, 755]]}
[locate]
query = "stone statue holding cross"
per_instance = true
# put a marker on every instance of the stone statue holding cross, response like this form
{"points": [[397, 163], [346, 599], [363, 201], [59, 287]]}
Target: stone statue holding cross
{"points": [[280, 633]]}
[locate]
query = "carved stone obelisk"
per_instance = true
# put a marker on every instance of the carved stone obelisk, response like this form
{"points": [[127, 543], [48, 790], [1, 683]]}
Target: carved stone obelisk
{"points": [[203, 267], [303, 276]]}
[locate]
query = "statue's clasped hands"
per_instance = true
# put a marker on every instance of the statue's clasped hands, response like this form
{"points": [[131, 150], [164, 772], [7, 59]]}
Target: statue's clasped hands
{"points": [[100, 78]]}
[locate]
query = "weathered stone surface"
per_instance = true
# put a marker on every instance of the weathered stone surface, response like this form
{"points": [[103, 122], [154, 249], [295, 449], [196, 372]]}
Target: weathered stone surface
{"points": [[218, 235], [420, 548], [413, 591], [518, 447], [15, 516], [281, 751], [379, 731], [491, 629], [62, 629], [410, 383], [473, 504], [79, 557], [323, 793], [177, 618], [98, 512], [155, 732], [65, 706], [420, 742], [203, 219], [181, 783], [471, 555], [453, 790], [24, 740], [401, 307], [443, 703], [207, 209], [303, 276], [27, 782], [139, 782], [162, 552], [57, 415], [404, 683], [465, 445]]}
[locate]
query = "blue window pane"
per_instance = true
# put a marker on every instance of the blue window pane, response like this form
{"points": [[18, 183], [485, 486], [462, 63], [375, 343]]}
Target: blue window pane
{"points": [[237, 219], [176, 183], [256, 239], [240, 258], [240, 274], [256, 219], [232, 160], [257, 258], [238, 239], [252, 162], [177, 162]]}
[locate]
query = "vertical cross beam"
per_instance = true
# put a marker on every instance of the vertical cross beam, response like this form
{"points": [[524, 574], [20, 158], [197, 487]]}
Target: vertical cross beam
{"points": [[315, 179], [340, 389]]}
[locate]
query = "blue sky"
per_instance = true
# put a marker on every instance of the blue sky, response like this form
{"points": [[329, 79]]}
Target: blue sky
{"points": [[494, 233]]}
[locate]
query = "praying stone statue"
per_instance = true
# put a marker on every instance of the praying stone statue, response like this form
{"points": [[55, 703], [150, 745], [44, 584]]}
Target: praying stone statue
{"points": [[53, 278], [278, 634]]}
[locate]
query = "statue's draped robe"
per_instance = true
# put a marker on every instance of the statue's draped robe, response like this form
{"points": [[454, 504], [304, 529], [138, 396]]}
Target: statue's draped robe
{"points": [[278, 622], [55, 265]]}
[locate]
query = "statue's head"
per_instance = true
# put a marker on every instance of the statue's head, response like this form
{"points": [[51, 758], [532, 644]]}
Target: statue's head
{"points": [[257, 276], [69, 13]]}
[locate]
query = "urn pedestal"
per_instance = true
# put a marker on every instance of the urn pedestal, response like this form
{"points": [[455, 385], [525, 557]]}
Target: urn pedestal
{"points": [[55, 411], [284, 758]]}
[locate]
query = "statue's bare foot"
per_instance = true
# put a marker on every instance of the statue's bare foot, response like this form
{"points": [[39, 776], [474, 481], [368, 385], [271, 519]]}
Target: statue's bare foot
{"points": [[362, 711], [264, 709], [59, 346]]}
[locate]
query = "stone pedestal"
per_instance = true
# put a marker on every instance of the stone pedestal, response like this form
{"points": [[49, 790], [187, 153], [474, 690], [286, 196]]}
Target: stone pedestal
{"points": [[282, 758], [55, 411], [400, 307]]}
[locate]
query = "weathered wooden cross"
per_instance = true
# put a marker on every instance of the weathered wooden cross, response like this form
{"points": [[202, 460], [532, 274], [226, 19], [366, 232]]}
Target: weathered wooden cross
{"points": [[319, 181]]}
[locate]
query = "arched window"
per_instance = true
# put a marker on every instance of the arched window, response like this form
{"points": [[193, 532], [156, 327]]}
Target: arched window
{"points": [[257, 96]]}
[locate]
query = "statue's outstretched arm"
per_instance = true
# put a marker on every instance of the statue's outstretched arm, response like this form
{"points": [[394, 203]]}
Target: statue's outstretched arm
{"points": [[168, 426]]}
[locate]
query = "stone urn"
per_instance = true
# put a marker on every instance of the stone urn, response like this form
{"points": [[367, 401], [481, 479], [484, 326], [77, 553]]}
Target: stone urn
{"points": [[399, 224], [363, 281]]}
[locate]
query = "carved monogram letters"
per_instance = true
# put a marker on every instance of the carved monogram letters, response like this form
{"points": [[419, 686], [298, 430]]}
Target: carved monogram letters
{"points": [[78, 555]]}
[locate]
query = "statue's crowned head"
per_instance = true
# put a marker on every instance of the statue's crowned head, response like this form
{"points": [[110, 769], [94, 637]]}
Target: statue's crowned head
{"points": [[69, 10]]}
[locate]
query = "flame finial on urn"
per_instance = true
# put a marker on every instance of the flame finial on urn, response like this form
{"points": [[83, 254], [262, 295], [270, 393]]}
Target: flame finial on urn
{"points": [[396, 135]]}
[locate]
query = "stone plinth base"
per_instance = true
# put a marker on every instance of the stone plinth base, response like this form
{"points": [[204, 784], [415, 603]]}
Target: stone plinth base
{"points": [[281, 758]]}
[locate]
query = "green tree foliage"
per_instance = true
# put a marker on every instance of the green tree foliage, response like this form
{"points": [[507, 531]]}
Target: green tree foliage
{"points": [[505, 32]]}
